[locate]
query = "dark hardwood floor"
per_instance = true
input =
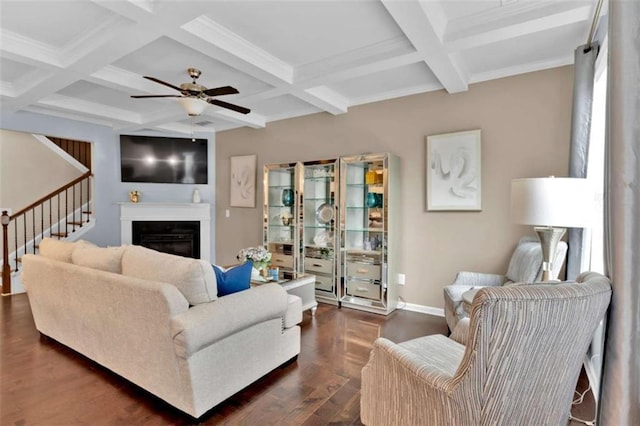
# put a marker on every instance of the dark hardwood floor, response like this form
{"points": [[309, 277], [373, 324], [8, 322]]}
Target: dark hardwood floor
{"points": [[44, 383]]}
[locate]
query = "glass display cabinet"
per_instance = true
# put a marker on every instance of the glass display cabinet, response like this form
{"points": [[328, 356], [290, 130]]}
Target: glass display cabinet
{"points": [[368, 228], [281, 210], [319, 220]]}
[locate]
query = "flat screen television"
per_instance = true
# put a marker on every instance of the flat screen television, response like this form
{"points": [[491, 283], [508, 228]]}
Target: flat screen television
{"points": [[163, 160]]}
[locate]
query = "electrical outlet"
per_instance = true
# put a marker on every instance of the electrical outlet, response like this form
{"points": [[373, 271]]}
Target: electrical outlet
{"points": [[227, 213], [401, 279]]}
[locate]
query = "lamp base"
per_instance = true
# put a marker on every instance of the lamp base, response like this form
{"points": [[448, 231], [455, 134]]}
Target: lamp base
{"points": [[549, 237]]}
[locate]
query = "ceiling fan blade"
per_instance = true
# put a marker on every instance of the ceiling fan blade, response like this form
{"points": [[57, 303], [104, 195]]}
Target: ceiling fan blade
{"points": [[155, 96], [217, 91], [163, 83], [241, 110]]}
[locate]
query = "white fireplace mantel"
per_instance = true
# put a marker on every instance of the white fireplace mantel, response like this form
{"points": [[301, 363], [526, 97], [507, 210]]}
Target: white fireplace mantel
{"points": [[131, 212]]}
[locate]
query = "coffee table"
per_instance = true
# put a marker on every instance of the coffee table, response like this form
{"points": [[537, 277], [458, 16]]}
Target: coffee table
{"points": [[304, 287]]}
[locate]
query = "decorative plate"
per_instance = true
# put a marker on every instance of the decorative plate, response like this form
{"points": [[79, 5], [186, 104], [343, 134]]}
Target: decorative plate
{"points": [[324, 213]]}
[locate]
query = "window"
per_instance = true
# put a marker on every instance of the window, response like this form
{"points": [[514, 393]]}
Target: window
{"points": [[595, 165]]}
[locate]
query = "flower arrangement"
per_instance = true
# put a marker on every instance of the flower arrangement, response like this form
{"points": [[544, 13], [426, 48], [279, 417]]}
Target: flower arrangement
{"points": [[258, 255]]}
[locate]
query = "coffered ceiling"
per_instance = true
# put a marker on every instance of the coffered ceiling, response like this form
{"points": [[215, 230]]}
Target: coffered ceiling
{"points": [[82, 59]]}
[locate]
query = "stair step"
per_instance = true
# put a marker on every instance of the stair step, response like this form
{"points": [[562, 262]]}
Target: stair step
{"points": [[76, 223], [19, 259], [87, 212], [59, 234]]}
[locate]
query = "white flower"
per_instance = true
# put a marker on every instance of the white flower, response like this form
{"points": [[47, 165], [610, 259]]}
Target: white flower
{"points": [[258, 255]]}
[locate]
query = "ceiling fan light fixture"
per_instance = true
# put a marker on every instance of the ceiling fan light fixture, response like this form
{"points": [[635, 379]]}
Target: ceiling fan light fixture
{"points": [[193, 106]]}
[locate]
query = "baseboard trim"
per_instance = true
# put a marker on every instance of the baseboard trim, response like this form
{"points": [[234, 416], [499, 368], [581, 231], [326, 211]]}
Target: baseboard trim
{"points": [[439, 312]]}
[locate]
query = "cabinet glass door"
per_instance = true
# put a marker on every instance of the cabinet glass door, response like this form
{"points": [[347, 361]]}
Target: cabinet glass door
{"points": [[319, 216], [281, 210], [364, 200]]}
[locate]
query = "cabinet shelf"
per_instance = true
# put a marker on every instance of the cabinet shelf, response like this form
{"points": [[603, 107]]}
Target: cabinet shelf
{"points": [[279, 206], [283, 242], [317, 226], [319, 179], [365, 185], [363, 208], [324, 199], [378, 230], [281, 187], [317, 247]]}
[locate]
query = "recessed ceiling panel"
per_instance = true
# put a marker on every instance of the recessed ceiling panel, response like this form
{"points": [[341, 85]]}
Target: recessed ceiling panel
{"points": [[283, 106], [307, 31], [549, 47], [56, 23], [168, 60], [389, 81], [87, 91], [463, 8]]}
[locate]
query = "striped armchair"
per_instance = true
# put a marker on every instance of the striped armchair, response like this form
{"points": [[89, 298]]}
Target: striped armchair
{"points": [[520, 366]]}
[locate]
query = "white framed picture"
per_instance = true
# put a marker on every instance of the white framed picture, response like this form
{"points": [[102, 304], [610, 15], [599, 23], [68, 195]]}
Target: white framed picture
{"points": [[243, 181], [453, 175]]}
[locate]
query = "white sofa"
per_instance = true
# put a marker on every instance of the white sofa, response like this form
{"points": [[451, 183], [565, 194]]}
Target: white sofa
{"points": [[155, 319]]}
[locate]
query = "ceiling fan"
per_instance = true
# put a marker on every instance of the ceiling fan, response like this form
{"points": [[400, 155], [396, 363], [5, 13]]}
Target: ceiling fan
{"points": [[195, 91]]}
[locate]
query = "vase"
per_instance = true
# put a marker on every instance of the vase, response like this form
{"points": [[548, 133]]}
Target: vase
{"points": [[255, 275], [371, 200], [134, 196], [287, 197]]}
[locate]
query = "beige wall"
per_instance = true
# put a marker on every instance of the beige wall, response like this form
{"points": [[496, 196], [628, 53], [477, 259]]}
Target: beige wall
{"points": [[525, 123], [29, 170]]}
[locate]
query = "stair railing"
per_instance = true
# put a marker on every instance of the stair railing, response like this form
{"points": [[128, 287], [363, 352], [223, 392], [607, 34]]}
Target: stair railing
{"points": [[55, 215]]}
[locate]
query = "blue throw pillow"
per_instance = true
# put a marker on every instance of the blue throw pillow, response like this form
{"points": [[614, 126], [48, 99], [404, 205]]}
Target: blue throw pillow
{"points": [[234, 279]]}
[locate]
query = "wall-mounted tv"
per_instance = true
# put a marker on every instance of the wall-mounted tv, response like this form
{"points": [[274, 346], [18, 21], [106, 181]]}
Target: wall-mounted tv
{"points": [[163, 160]]}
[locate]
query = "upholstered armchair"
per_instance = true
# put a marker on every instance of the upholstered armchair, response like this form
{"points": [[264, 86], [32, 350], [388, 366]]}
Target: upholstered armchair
{"points": [[525, 266], [520, 364]]}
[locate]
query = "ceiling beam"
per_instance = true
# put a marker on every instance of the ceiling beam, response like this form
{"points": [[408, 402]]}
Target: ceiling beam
{"points": [[421, 25]]}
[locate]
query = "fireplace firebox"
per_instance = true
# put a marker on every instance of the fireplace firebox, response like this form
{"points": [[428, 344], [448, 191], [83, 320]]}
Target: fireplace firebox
{"points": [[181, 238]]}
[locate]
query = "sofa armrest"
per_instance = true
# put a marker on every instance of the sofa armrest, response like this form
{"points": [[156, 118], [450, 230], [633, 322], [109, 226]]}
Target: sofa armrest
{"points": [[293, 315], [204, 324]]}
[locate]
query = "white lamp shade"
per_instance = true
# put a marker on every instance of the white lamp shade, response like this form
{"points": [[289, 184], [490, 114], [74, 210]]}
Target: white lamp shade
{"points": [[193, 106], [552, 201]]}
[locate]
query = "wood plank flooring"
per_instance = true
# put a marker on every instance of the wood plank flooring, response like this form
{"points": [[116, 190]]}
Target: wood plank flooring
{"points": [[44, 383]]}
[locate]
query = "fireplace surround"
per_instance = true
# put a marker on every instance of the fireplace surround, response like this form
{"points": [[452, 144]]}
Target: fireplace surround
{"points": [[180, 214]]}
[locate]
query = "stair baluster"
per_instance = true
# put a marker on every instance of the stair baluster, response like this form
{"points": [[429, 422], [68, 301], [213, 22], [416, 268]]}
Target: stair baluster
{"points": [[25, 234]]}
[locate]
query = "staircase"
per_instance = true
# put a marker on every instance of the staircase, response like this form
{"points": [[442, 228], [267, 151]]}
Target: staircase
{"points": [[65, 214]]}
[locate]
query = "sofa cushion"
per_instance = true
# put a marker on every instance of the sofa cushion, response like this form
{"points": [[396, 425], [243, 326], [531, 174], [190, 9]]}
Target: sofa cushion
{"points": [[103, 258], [193, 277], [234, 279], [61, 250]]}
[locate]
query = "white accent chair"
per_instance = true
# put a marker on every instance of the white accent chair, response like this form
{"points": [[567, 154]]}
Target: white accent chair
{"points": [[525, 266]]}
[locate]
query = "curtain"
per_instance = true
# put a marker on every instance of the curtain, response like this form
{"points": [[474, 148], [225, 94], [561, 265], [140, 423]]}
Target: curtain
{"points": [[584, 70], [620, 389]]}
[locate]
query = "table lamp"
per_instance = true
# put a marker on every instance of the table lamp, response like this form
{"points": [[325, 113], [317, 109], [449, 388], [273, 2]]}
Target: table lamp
{"points": [[551, 205]]}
